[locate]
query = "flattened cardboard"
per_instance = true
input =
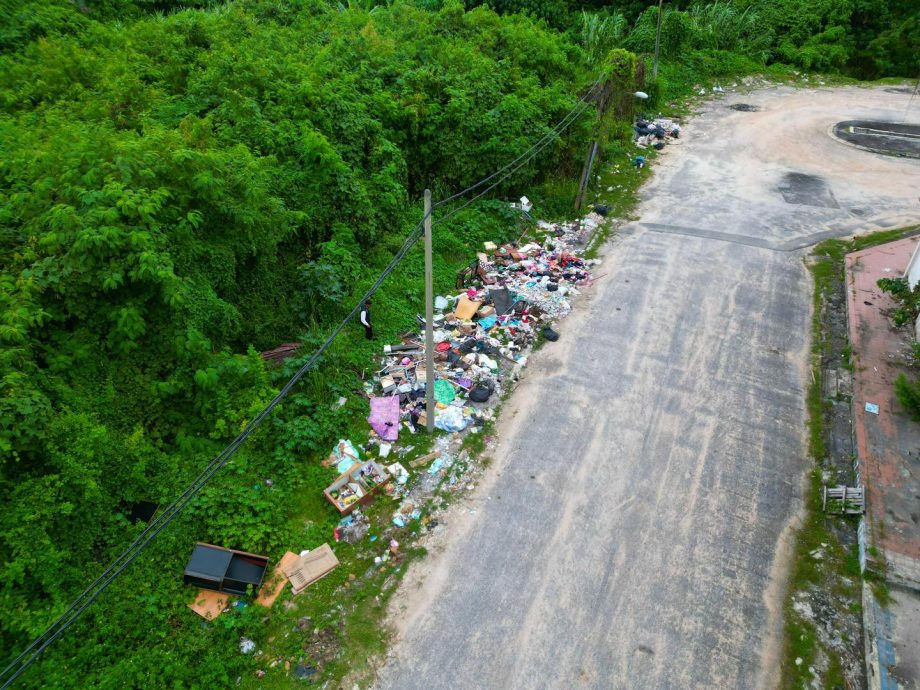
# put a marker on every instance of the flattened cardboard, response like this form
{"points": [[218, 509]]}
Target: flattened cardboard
{"points": [[275, 584], [209, 604], [310, 568]]}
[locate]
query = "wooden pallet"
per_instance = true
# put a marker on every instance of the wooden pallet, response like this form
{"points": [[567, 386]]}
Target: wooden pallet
{"points": [[843, 500]]}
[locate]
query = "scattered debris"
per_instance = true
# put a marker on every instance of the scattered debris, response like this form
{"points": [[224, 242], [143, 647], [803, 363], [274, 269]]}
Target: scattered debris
{"points": [[352, 528], [304, 671], [343, 456], [512, 294], [656, 133]]}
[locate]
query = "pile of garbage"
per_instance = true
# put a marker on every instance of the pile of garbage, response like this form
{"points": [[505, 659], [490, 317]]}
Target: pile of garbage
{"points": [[483, 333], [656, 133], [504, 301]]}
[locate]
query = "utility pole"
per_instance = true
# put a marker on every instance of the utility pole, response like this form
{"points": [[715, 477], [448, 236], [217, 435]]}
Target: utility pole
{"points": [[657, 44], [429, 320]]}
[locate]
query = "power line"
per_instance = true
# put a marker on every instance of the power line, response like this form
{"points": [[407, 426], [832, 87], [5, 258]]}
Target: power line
{"points": [[163, 519], [157, 525], [457, 210], [553, 132]]}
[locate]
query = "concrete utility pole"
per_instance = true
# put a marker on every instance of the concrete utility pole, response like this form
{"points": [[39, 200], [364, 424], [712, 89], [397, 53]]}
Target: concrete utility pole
{"points": [[657, 43], [429, 320]]}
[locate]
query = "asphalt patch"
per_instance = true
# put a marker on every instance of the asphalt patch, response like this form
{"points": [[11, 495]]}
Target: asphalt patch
{"points": [[888, 138], [807, 190], [745, 107]]}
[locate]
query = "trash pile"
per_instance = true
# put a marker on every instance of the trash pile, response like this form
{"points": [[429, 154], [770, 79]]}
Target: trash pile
{"points": [[483, 333], [656, 133]]}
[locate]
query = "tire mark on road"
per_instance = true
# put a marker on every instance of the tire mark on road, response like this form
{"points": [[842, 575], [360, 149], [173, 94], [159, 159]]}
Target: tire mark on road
{"points": [[791, 245]]}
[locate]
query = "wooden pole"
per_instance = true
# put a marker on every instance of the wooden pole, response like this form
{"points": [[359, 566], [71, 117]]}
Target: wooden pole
{"points": [[657, 44], [429, 320]]}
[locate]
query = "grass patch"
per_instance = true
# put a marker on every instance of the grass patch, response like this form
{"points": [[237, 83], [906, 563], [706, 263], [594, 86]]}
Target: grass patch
{"points": [[617, 188], [475, 443]]}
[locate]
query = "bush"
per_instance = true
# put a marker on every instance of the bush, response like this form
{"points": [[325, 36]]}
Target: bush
{"points": [[908, 300], [908, 395]]}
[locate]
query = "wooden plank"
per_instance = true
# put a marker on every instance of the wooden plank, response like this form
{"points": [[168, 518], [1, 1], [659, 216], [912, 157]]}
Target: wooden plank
{"points": [[424, 459]]}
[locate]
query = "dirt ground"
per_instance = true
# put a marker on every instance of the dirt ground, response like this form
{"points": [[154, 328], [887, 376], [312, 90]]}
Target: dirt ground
{"points": [[632, 529]]}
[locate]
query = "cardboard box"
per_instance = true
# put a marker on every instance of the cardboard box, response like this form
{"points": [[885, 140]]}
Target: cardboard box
{"points": [[466, 308], [487, 310]]}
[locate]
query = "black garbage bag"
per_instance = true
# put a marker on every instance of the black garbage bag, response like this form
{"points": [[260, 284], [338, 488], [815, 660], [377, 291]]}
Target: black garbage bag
{"points": [[601, 210], [549, 334], [552, 287], [480, 393]]}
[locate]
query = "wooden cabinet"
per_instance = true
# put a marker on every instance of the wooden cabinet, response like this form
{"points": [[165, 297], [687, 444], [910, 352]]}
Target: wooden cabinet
{"points": [[357, 486]]}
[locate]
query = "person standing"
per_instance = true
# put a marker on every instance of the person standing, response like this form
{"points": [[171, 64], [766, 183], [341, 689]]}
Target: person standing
{"points": [[366, 320]]}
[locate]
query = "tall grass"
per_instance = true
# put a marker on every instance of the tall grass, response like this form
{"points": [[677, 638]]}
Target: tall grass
{"points": [[722, 26], [602, 33]]}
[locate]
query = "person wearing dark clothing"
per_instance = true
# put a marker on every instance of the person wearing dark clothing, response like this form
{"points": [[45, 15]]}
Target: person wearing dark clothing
{"points": [[366, 320]]}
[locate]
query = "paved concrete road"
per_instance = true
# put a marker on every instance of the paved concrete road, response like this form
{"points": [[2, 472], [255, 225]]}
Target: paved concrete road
{"points": [[629, 533]]}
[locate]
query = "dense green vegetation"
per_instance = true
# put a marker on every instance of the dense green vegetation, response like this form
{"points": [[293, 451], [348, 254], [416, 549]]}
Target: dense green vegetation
{"points": [[177, 190], [908, 307], [184, 184], [863, 38]]}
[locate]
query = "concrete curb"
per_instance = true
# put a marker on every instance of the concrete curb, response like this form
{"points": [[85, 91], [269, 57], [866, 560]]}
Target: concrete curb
{"points": [[880, 656]]}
